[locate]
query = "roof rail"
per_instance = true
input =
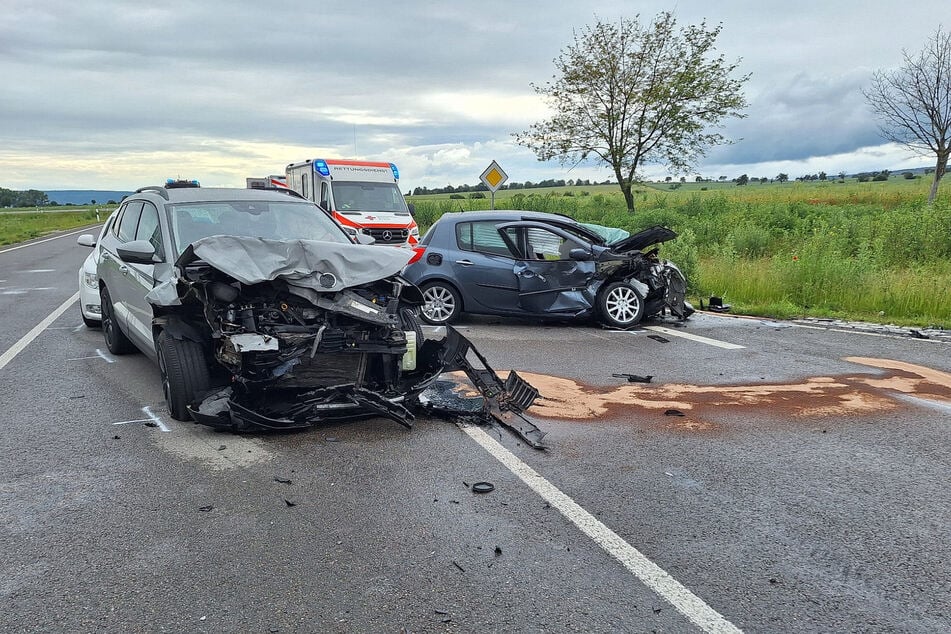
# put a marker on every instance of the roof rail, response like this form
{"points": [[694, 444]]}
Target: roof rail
{"points": [[289, 192], [153, 188]]}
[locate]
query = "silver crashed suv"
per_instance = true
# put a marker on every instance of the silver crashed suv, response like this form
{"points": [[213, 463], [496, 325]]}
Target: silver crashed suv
{"points": [[263, 314]]}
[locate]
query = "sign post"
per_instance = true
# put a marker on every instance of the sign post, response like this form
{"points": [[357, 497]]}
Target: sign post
{"points": [[493, 177]]}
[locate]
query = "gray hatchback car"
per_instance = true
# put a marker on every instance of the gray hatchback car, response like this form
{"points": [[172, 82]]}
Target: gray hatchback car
{"points": [[532, 264]]}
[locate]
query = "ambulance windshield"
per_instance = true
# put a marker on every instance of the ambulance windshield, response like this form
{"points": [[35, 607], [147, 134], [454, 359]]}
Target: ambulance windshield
{"points": [[355, 197]]}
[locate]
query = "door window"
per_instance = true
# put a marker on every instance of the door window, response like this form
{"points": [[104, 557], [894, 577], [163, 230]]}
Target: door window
{"points": [[149, 228], [482, 237], [129, 221]]}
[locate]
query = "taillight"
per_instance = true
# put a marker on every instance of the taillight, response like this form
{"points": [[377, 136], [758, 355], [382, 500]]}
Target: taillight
{"points": [[417, 254]]}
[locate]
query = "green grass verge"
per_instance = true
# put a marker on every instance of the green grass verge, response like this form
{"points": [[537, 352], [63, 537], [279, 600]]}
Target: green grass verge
{"points": [[19, 226]]}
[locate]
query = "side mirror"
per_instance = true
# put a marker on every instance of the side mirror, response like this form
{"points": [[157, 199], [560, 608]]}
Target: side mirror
{"points": [[138, 252], [581, 255], [412, 209], [86, 240]]}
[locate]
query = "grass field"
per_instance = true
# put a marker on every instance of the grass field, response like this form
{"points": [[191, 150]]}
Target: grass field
{"points": [[18, 225]]}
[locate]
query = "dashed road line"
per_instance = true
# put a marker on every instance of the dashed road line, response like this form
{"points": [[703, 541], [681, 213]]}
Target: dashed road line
{"points": [[26, 339], [649, 573], [692, 337]]}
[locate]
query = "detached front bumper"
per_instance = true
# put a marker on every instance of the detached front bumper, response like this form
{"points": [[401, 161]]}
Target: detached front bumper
{"points": [[501, 402]]}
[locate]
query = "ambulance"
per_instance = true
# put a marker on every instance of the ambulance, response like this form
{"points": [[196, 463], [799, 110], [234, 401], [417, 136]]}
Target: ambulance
{"points": [[268, 182], [362, 196]]}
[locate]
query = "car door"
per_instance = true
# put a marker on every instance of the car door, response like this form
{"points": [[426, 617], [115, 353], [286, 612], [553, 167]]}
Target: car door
{"points": [[113, 272], [141, 277], [482, 266], [549, 280]]}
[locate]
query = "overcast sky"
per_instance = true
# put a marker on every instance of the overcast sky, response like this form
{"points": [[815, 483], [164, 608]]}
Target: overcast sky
{"points": [[113, 94]]}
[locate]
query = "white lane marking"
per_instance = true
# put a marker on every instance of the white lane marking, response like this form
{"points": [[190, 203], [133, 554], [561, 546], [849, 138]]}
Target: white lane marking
{"points": [[39, 271], [72, 233], [649, 573], [105, 357], [693, 337], [924, 402], [873, 334], [25, 340], [155, 419], [152, 418]]}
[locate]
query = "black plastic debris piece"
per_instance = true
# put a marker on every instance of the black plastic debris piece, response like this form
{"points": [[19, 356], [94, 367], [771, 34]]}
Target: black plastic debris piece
{"points": [[117, 437], [498, 551], [222, 447], [289, 503], [456, 564], [659, 338], [674, 412], [717, 305], [281, 480], [483, 487], [634, 378], [205, 509], [151, 423]]}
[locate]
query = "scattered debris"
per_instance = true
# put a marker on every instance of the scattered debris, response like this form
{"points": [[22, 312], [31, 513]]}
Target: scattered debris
{"points": [[116, 437], [659, 338], [330, 439], [281, 480], [456, 564], [717, 305], [634, 378], [289, 503], [673, 412], [205, 509], [150, 423], [498, 551], [483, 487], [222, 448], [441, 612]]}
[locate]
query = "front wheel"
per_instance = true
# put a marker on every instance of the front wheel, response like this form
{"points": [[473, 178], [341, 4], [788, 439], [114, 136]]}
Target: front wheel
{"points": [[620, 306], [442, 303], [184, 373]]}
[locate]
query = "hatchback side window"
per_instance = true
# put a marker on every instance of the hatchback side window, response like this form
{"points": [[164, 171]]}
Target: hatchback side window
{"points": [[149, 228], [129, 221], [482, 237]]}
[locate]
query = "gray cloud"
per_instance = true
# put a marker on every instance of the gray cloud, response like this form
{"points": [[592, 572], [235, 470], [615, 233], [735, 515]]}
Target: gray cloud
{"points": [[112, 93]]}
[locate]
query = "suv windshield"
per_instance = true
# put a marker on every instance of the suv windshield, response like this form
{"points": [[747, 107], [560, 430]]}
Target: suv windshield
{"points": [[259, 219], [356, 197]]}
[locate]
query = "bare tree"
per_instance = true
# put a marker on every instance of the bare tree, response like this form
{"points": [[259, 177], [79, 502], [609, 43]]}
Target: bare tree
{"points": [[626, 95], [913, 103]]}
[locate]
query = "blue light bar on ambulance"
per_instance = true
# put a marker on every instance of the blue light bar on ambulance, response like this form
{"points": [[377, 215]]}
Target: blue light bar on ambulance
{"points": [[396, 172], [320, 166]]}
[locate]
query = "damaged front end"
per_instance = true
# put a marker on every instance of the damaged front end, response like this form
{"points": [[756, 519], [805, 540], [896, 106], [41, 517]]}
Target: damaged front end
{"points": [[302, 332]]}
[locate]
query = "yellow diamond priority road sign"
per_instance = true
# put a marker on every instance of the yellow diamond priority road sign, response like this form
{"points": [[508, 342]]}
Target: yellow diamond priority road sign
{"points": [[494, 177]]}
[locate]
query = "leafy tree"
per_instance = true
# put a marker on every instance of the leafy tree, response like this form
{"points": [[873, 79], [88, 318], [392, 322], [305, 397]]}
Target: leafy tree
{"points": [[782, 177], [743, 180], [628, 94], [913, 103]]}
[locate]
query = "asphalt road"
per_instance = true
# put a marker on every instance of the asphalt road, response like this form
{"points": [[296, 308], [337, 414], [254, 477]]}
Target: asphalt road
{"points": [[804, 488]]}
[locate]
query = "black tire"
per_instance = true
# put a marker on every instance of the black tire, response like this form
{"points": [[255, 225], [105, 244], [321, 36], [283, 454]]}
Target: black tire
{"points": [[90, 323], [620, 306], [409, 321], [184, 371], [116, 340], [443, 304]]}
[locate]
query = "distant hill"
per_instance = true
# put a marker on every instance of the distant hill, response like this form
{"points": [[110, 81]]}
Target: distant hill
{"points": [[84, 196]]}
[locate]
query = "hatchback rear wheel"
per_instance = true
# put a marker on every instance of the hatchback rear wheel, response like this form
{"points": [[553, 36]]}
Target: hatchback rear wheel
{"points": [[442, 303]]}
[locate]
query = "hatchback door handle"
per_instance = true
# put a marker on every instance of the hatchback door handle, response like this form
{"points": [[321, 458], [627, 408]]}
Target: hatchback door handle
{"points": [[464, 262]]}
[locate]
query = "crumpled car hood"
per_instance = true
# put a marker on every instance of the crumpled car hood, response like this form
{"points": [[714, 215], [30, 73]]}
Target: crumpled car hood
{"points": [[304, 263], [643, 239]]}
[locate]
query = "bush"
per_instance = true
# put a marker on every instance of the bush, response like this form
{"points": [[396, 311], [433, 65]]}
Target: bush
{"points": [[456, 197], [475, 195]]}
